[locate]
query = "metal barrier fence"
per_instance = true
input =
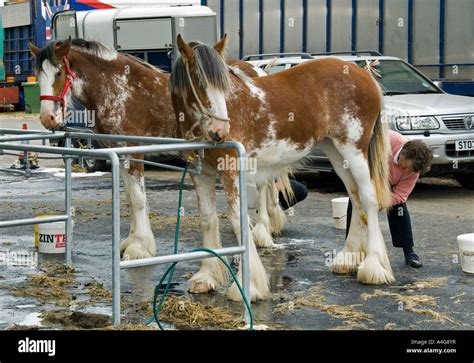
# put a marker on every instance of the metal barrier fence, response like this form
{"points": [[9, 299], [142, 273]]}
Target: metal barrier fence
{"points": [[155, 145]]}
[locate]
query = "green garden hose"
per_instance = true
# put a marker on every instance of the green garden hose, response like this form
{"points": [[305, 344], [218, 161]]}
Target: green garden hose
{"points": [[170, 271]]}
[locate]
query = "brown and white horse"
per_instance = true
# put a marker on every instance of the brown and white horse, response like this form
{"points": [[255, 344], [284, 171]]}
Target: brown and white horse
{"points": [[279, 118], [129, 97]]}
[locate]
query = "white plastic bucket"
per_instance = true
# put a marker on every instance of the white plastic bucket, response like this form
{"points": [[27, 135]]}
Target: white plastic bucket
{"points": [[52, 237], [36, 231], [466, 250], [339, 212]]}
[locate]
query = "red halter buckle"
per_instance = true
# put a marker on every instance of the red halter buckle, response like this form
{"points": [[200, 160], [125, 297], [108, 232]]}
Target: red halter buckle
{"points": [[60, 99]]}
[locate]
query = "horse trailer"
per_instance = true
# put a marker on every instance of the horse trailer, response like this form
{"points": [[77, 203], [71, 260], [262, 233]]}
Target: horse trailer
{"points": [[147, 32]]}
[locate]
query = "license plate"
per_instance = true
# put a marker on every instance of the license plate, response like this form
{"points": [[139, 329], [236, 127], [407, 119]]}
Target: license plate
{"points": [[464, 145]]}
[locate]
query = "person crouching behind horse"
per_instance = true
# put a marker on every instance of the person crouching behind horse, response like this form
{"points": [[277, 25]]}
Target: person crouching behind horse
{"points": [[409, 159]]}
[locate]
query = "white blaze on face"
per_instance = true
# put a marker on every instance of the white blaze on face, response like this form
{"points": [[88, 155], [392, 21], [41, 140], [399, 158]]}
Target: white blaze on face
{"points": [[217, 100], [218, 108], [46, 79]]}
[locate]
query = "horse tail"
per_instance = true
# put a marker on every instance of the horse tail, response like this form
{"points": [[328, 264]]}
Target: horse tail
{"points": [[378, 155]]}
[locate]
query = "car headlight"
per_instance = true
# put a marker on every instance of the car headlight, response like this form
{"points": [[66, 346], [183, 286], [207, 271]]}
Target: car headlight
{"points": [[408, 123]]}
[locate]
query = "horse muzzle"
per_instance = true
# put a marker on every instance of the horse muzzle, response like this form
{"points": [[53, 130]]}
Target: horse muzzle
{"points": [[50, 120], [213, 136]]}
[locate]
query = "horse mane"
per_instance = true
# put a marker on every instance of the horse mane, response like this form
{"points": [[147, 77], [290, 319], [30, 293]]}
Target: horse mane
{"points": [[93, 48], [211, 71], [47, 52]]}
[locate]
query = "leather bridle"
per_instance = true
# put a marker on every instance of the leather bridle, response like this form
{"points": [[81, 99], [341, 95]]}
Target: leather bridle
{"points": [[206, 114], [70, 76]]}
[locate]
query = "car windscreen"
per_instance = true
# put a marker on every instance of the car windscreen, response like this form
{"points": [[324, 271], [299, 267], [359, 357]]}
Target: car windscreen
{"points": [[396, 77], [274, 69]]}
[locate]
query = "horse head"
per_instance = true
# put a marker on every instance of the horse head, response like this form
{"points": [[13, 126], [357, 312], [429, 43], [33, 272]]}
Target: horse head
{"points": [[55, 76], [199, 84]]}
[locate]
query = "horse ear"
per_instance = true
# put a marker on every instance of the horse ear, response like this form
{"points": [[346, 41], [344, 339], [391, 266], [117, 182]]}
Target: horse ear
{"points": [[221, 45], [33, 49], [63, 49], [186, 51]]}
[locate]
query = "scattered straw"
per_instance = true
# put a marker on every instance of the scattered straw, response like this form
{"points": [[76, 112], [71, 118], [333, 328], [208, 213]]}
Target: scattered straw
{"points": [[184, 312], [414, 303], [54, 269], [188, 222], [350, 325], [74, 319], [315, 299], [51, 286], [390, 326], [435, 283], [76, 168], [129, 327], [97, 292]]}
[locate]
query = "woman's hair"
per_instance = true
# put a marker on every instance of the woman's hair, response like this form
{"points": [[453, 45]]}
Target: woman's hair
{"points": [[419, 154]]}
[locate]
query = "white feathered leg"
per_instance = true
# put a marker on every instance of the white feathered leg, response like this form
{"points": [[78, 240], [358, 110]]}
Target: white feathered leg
{"points": [[275, 213], [140, 242], [348, 259], [261, 231], [375, 268], [259, 283], [212, 274]]}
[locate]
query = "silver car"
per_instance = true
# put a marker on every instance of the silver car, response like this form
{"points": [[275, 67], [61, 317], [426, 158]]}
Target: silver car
{"points": [[414, 106]]}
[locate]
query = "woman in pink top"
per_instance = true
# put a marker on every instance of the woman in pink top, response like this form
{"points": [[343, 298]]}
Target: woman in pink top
{"points": [[409, 159]]}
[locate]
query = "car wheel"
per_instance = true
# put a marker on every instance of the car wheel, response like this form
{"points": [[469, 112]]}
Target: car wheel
{"points": [[465, 179], [93, 165]]}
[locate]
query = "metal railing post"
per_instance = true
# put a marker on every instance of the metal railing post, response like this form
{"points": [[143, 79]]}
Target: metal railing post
{"points": [[68, 204], [244, 226], [115, 238]]}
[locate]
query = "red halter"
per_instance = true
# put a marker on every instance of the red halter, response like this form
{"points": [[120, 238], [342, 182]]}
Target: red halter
{"points": [[69, 77]]}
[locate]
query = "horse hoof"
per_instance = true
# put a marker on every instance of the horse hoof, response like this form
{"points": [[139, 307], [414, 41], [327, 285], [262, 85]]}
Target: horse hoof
{"points": [[255, 294], [344, 269], [262, 237], [372, 272], [199, 288]]}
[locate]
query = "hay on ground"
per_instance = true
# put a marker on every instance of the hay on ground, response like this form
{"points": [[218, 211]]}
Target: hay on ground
{"points": [[316, 300], [51, 286], [97, 292], [415, 303], [75, 319], [184, 312], [435, 283]]}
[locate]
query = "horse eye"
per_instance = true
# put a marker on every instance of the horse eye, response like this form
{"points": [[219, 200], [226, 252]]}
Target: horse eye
{"points": [[58, 74]]}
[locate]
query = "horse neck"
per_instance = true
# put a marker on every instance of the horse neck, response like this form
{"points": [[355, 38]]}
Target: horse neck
{"points": [[109, 86], [96, 75]]}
